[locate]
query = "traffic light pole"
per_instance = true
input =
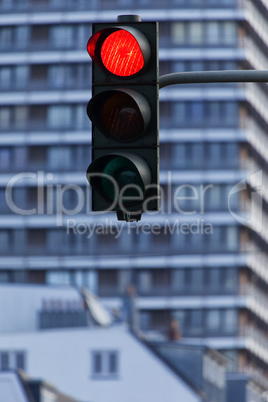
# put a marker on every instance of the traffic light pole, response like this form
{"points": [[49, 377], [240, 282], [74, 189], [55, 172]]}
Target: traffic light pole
{"points": [[196, 77]]}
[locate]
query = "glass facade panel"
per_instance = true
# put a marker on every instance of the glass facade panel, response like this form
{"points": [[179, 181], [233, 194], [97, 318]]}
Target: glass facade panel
{"points": [[58, 278], [213, 320], [20, 116], [229, 321], [178, 34], [5, 37], [195, 33], [62, 36], [5, 118], [4, 240], [22, 36], [59, 116], [213, 32], [56, 75], [197, 112], [5, 77], [229, 34], [21, 75]]}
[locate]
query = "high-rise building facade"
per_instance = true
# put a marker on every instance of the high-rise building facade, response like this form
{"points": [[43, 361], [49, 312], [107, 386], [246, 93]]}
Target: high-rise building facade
{"points": [[202, 259]]}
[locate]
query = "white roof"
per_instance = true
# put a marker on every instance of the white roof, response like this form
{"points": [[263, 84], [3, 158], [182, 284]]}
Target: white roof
{"points": [[11, 389], [64, 358]]}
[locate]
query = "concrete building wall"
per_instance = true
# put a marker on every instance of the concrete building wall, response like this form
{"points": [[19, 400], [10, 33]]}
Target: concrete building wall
{"points": [[64, 358]]}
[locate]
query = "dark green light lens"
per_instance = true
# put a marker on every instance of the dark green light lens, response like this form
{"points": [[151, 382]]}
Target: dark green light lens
{"points": [[125, 174]]}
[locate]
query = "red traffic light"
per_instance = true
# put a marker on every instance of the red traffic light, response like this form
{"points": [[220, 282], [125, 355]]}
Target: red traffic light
{"points": [[123, 51], [124, 110], [121, 114], [121, 54]]}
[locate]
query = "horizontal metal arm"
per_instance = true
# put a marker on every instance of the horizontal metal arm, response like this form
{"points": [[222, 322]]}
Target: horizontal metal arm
{"points": [[213, 76]]}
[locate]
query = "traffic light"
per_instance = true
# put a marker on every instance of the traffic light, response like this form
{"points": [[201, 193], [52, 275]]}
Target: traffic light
{"points": [[124, 110]]}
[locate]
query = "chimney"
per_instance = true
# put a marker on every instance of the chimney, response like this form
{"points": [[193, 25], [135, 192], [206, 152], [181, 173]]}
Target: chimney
{"points": [[130, 312]]}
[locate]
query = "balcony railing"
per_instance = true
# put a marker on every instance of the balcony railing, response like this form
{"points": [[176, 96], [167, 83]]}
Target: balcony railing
{"points": [[257, 137], [260, 300], [256, 374], [256, 19], [257, 342], [44, 126], [99, 244], [257, 261], [254, 55], [83, 5], [45, 85], [62, 319]]}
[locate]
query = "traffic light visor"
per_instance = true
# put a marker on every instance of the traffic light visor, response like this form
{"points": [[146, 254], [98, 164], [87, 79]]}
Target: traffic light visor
{"points": [[122, 51]]}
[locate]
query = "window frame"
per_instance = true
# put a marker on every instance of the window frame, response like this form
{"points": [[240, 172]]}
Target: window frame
{"points": [[104, 371]]}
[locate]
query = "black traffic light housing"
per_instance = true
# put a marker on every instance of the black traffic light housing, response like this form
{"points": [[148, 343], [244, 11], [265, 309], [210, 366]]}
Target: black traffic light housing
{"points": [[124, 110]]}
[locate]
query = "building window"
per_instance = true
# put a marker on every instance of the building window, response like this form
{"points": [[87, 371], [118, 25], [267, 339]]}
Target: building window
{"points": [[5, 37], [59, 116], [178, 34], [4, 277], [21, 75], [213, 32], [108, 280], [179, 112], [5, 241], [229, 33], [197, 112], [144, 281], [5, 118], [62, 36], [196, 322], [231, 238], [5, 77], [113, 363], [5, 158], [21, 36], [20, 360], [40, 34], [12, 360], [20, 116], [213, 321], [229, 321], [36, 239], [4, 361], [105, 364], [58, 278], [161, 279], [195, 36]]}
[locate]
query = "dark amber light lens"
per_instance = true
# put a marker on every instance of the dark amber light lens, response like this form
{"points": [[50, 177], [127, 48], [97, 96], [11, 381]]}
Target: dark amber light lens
{"points": [[121, 117], [121, 54]]}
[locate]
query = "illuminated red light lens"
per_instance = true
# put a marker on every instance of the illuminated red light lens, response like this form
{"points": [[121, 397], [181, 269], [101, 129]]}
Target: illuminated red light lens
{"points": [[121, 54]]}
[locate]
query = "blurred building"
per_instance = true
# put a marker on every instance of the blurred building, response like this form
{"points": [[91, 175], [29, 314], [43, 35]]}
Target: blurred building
{"points": [[88, 360], [202, 259], [15, 386]]}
